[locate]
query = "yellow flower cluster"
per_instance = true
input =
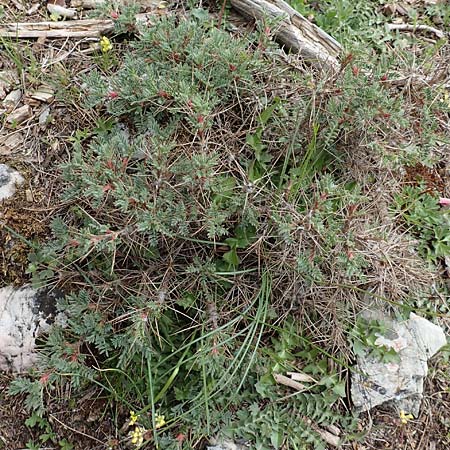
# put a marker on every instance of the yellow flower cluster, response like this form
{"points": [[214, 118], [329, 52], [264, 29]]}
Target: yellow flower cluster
{"points": [[105, 44], [160, 421], [404, 418], [446, 99], [137, 436], [133, 418]]}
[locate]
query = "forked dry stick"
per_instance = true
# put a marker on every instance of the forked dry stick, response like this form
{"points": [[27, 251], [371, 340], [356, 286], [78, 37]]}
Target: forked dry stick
{"points": [[295, 31]]}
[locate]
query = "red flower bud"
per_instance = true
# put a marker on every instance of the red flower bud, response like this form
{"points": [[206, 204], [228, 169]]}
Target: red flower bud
{"points": [[114, 15], [113, 94], [181, 437], [44, 378]]}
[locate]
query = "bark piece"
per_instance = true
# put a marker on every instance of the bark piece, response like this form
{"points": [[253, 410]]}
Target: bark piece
{"points": [[19, 115], [44, 94], [295, 31], [72, 28], [10, 143], [7, 80], [12, 99]]}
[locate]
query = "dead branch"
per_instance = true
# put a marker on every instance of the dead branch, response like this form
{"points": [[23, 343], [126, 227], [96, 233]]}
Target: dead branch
{"points": [[294, 31], [286, 381], [408, 27], [72, 28]]}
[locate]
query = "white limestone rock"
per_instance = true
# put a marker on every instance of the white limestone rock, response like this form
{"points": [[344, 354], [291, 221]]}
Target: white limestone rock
{"points": [[25, 313], [400, 383], [226, 444], [9, 179]]}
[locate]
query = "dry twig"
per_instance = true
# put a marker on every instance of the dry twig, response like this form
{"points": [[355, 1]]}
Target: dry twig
{"points": [[68, 29], [408, 27]]}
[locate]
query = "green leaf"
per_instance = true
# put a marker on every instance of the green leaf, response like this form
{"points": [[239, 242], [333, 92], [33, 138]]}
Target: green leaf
{"points": [[231, 257], [32, 420], [359, 349], [276, 438], [254, 141], [339, 389], [267, 113]]}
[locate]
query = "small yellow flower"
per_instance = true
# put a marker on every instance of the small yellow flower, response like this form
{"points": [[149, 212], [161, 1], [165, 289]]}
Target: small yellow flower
{"points": [[404, 418], [105, 44], [446, 99], [133, 418], [137, 436], [160, 421]]}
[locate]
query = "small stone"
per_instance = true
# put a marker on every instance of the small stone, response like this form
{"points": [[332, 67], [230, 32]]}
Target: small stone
{"points": [[29, 196], [225, 444], [58, 10], [33, 9], [19, 115], [12, 99], [9, 178], [44, 115], [44, 94]]}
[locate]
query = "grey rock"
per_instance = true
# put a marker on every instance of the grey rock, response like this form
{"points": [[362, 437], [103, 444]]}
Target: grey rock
{"points": [[9, 179], [25, 313], [226, 444], [398, 384], [43, 116]]}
